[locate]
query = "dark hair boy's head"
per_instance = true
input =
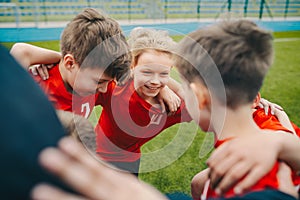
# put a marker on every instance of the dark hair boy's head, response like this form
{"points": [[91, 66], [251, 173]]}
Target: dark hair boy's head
{"points": [[96, 41], [238, 52]]}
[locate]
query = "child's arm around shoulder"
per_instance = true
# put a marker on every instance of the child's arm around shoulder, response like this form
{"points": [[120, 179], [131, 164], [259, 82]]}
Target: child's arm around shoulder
{"points": [[170, 95], [176, 87], [27, 55], [284, 120], [277, 111], [251, 157]]}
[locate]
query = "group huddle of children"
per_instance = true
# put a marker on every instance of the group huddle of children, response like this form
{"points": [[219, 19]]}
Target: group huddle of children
{"points": [[222, 66]]}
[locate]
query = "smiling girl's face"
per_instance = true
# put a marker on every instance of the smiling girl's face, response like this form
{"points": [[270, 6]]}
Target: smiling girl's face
{"points": [[151, 73]]}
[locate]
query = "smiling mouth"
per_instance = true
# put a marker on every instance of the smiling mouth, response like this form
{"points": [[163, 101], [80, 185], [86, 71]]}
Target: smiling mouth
{"points": [[152, 88]]}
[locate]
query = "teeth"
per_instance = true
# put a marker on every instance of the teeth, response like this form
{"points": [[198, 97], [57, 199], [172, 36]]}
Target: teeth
{"points": [[152, 88]]}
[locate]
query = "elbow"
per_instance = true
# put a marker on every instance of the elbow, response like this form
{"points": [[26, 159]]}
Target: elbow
{"points": [[20, 52], [18, 49]]}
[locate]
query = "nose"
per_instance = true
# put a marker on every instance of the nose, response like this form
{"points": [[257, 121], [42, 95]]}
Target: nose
{"points": [[102, 87], [155, 79]]}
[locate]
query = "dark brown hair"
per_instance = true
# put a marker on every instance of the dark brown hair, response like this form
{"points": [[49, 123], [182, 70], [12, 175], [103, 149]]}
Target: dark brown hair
{"points": [[238, 52], [97, 41]]}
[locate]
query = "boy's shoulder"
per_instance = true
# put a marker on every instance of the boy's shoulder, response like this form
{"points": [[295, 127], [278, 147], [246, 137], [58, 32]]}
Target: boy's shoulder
{"points": [[54, 85]]}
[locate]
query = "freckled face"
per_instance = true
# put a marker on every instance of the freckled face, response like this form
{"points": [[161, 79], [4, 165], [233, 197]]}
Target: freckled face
{"points": [[151, 73]]}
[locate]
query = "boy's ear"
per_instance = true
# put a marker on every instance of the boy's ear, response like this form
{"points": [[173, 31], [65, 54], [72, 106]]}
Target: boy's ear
{"points": [[69, 61], [256, 100], [201, 94]]}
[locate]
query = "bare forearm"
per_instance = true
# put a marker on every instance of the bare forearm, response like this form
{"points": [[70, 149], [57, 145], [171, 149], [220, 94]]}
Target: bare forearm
{"points": [[285, 121], [176, 87], [28, 55], [289, 150]]}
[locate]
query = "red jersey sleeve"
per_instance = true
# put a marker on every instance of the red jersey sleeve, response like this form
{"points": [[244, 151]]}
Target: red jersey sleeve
{"points": [[271, 122], [268, 181], [183, 112], [268, 121]]}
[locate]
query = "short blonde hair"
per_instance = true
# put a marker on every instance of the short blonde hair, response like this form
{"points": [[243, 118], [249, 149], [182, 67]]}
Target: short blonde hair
{"points": [[144, 39]]}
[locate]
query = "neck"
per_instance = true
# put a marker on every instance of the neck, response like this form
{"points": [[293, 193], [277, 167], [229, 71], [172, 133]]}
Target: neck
{"points": [[237, 123]]}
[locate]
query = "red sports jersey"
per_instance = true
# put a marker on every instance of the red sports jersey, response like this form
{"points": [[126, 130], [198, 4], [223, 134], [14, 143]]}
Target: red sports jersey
{"points": [[127, 122], [267, 121], [271, 122], [269, 181], [57, 93]]}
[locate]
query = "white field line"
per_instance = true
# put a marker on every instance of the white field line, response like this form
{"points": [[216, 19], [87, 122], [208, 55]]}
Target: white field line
{"points": [[286, 39]]}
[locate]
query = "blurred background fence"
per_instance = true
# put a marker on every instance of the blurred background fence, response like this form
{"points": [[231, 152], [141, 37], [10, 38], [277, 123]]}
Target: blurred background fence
{"points": [[37, 11], [40, 20]]}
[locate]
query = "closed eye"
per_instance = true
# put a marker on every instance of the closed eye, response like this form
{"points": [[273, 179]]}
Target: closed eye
{"points": [[101, 82], [164, 74], [147, 72]]}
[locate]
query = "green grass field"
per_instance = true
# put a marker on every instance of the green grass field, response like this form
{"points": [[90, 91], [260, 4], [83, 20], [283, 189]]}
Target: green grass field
{"points": [[281, 86]]}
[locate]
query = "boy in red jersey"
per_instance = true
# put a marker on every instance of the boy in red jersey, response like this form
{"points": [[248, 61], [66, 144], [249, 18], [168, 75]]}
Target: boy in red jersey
{"points": [[120, 126], [224, 66], [278, 121], [124, 127], [94, 51]]}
